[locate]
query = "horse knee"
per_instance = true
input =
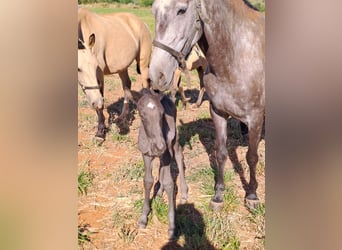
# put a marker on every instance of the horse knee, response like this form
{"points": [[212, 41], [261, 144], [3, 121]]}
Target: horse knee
{"points": [[221, 154], [252, 158]]}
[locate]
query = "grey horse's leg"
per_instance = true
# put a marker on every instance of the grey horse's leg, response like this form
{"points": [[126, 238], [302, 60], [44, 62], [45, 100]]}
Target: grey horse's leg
{"points": [[148, 183], [126, 86], [220, 123], [180, 163], [168, 185], [252, 157]]}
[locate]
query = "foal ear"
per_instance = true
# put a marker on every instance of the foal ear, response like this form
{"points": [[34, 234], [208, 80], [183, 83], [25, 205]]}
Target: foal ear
{"points": [[91, 40]]}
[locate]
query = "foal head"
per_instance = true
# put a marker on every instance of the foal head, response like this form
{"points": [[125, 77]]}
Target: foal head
{"points": [[178, 27], [151, 112], [88, 73]]}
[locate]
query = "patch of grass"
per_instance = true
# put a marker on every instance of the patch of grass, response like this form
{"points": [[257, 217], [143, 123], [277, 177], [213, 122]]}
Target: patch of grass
{"points": [[122, 221], [128, 233], [260, 168], [83, 235], [85, 180], [204, 114], [131, 172], [230, 200], [220, 232], [120, 138], [257, 216], [160, 209], [142, 12]]}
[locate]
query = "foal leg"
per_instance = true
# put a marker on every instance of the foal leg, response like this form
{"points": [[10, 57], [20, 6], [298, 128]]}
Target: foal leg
{"points": [[126, 86], [220, 122], [168, 185], [254, 128], [180, 163], [148, 182]]}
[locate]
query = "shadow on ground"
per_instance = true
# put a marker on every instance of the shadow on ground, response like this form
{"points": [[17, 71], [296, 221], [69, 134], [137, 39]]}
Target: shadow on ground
{"points": [[191, 228], [237, 135]]}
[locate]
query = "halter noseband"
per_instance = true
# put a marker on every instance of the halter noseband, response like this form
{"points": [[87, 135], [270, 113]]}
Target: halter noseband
{"points": [[180, 56], [84, 88]]}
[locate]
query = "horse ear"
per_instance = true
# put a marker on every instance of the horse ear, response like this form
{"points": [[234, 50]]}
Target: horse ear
{"points": [[91, 40]]}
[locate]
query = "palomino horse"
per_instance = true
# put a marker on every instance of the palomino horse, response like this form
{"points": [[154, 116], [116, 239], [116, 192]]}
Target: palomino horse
{"points": [[232, 36], [108, 44], [196, 60]]}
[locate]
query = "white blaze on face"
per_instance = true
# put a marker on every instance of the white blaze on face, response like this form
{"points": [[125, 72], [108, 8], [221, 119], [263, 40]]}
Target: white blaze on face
{"points": [[151, 105]]}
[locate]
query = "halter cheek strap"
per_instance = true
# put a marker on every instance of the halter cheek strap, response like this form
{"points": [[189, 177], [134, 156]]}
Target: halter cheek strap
{"points": [[180, 56]]}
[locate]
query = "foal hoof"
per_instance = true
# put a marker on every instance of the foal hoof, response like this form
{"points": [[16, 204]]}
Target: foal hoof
{"points": [[252, 201], [216, 206]]}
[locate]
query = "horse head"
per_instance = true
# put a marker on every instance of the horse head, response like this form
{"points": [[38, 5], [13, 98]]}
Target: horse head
{"points": [[151, 112], [89, 72], [178, 27]]}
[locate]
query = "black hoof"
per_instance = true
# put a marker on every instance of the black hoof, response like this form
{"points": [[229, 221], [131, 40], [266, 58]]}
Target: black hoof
{"points": [[252, 201], [216, 206]]}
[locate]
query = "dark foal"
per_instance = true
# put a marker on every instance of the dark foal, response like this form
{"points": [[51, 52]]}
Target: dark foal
{"points": [[158, 138]]}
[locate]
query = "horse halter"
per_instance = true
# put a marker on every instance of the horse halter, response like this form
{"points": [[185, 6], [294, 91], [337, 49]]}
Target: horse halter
{"points": [[180, 56], [84, 88]]}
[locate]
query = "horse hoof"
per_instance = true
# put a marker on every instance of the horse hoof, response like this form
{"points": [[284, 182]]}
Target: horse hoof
{"points": [[252, 201], [172, 234], [141, 225], [216, 206]]}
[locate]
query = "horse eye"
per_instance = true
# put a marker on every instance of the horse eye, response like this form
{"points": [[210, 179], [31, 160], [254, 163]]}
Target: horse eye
{"points": [[181, 11], [79, 70]]}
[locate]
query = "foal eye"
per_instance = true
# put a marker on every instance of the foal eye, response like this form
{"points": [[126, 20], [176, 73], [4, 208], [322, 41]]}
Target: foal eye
{"points": [[181, 11]]}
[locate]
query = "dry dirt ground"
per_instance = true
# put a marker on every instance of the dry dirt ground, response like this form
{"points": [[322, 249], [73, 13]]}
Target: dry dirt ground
{"points": [[109, 211]]}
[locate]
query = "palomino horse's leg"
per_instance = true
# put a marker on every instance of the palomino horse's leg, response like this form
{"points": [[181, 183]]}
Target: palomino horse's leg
{"points": [[148, 183], [252, 159], [168, 185], [220, 123], [101, 128], [180, 163], [175, 84], [201, 93], [126, 86]]}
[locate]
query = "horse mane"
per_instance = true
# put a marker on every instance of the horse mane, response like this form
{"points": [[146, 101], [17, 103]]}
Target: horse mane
{"points": [[250, 5]]}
